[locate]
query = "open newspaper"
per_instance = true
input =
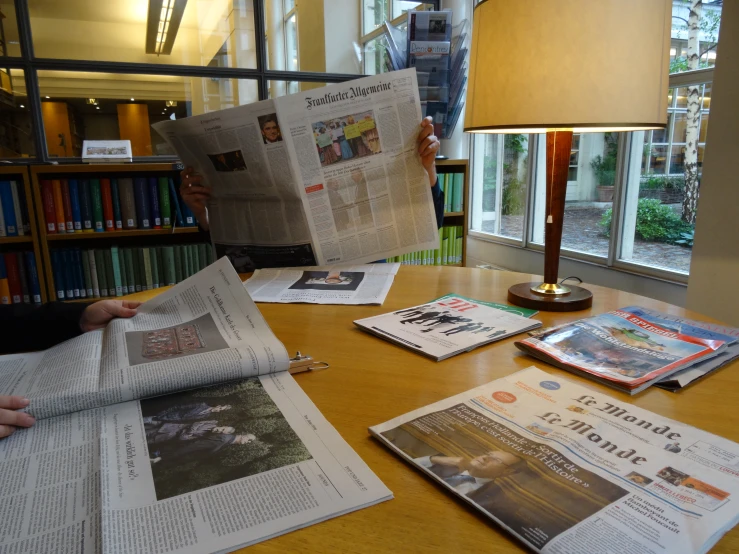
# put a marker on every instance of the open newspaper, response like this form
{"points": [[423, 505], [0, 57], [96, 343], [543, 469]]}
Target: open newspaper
{"points": [[571, 471], [359, 284], [625, 349], [326, 176], [202, 470]]}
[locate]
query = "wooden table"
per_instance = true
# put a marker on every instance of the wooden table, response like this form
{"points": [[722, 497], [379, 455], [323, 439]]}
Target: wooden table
{"points": [[371, 381]]}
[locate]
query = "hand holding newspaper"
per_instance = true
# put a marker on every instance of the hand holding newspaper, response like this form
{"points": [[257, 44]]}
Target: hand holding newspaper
{"points": [[571, 471]]}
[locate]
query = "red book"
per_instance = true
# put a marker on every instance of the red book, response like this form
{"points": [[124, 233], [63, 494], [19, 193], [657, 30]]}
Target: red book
{"points": [[66, 200], [47, 195], [107, 204], [14, 278]]}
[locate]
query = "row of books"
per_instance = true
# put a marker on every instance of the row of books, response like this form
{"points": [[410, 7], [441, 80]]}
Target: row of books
{"points": [[114, 271], [102, 204], [19, 282], [453, 186], [448, 253], [13, 210]]}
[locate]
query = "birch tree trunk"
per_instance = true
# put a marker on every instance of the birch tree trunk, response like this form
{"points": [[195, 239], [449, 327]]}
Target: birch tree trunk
{"points": [[693, 123]]}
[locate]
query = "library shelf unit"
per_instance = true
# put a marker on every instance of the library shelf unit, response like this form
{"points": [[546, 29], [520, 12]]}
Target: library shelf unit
{"points": [[95, 240], [458, 218], [30, 242]]}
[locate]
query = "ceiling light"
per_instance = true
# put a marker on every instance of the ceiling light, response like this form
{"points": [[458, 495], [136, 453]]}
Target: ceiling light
{"points": [[97, 107], [132, 99], [48, 97], [171, 103], [91, 101], [22, 106], [162, 24]]}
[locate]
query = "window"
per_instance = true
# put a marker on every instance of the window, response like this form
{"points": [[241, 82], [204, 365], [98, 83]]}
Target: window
{"points": [[283, 88], [9, 40], [631, 198], [16, 122]]}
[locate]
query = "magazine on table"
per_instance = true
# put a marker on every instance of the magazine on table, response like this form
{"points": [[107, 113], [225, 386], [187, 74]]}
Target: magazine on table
{"points": [[359, 284], [623, 350], [448, 326], [567, 470], [238, 455], [327, 176]]}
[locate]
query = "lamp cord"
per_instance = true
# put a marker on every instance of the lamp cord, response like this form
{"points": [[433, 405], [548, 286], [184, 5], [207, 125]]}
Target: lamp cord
{"points": [[562, 282]]}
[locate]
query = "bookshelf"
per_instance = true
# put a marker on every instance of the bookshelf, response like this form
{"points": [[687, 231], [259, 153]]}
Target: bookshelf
{"points": [[125, 238], [29, 242], [458, 218]]}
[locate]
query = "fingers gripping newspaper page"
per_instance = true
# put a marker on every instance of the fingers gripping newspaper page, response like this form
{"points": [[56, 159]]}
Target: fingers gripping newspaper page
{"points": [[359, 284], [353, 148], [225, 466], [564, 478]]}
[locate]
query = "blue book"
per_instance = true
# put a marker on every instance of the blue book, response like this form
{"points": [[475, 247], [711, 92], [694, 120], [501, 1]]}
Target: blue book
{"points": [[6, 197], [187, 214], [117, 217], [156, 213], [74, 201], [85, 205], [72, 289], [79, 276], [141, 195], [174, 201], [33, 282], [56, 270]]}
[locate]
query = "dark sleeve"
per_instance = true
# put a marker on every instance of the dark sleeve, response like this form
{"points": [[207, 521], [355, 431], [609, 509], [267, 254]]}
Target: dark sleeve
{"points": [[438, 195], [206, 233], [24, 327]]}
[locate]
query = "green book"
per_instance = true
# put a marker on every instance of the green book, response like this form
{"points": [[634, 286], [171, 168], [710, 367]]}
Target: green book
{"points": [[169, 265], [93, 273], [160, 266], [165, 207], [109, 273], [116, 271], [195, 258], [128, 270], [203, 255], [97, 206], [459, 245], [86, 273], [124, 274], [188, 260], [147, 275], [100, 270], [448, 182], [450, 248], [458, 192], [177, 249], [209, 253], [445, 245], [154, 267], [138, 267]]}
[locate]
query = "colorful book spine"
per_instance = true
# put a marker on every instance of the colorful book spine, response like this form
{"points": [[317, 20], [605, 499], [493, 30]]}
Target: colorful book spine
{"points": [[61, 221], [458, 192], [3, 232], [23, 201], [128, 203], [115, 261], [23, 278], [165, 206], [124, 276], [107, 201], [47, 200], [58, 274], [160, 266], [102, 276], [96, 199], [154, 262], [116, 199], [34, 284], [156, 214], [67, 205], [169, 265], [130, 273], [94, 273], [72, 288], [86, 206], [79, 274], [141, 193], [4, 287], [148, 277], [14, 279], [86, 275], [138, 261], [174, 201], [178, 273], [74, 199], [6, 197], [109, 273], [20, 227]]}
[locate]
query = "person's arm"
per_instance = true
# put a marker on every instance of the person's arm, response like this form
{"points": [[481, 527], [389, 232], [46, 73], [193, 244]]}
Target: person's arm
{"points": [[196, 195], [428, 147]]}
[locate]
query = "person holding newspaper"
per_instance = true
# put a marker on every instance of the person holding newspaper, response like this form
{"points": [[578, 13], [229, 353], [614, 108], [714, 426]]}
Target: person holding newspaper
{"points": [[25, 328], [195, 194]]}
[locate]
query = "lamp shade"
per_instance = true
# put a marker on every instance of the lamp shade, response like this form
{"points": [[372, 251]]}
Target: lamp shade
{"points": [[585, 65]]}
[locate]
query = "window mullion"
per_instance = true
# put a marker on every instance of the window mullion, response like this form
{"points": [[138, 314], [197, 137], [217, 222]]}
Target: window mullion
{"points": [[528, 213], [623, 156]]}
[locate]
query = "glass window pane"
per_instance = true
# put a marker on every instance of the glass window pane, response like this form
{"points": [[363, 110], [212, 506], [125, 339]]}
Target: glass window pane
{"points": [[283, 88], [660, 135], [500, 177], [16, 126], [682, 98], [402, 6], [707, 97], [658, 160], [9, 42], [704, 127], [707, 39], [375, 13], [77, 106], [219, 34], [677, 159], [678, 129], [327, 36]]}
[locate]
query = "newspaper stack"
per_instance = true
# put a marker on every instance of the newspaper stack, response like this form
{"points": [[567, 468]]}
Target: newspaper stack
{"points": [[568, 470], [632, 348]]}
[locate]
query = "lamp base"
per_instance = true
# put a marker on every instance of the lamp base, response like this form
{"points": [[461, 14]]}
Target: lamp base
{"points": [[523, 295]]}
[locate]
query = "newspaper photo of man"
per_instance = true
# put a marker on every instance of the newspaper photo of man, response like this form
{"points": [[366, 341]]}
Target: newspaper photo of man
{"points": [[270, 128]]}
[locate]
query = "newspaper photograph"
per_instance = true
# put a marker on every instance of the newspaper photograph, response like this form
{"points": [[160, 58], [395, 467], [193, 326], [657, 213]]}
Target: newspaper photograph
{"points": [[353, 150], [226, 466], [563, 481], [203, 331], [359, 284]]}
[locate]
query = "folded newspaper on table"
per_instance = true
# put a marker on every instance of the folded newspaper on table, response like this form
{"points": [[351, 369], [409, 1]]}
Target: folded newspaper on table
{"points": [[625, 349], [326, 176], [204, 470], [568, 470], [449, 325], [359, 284]]}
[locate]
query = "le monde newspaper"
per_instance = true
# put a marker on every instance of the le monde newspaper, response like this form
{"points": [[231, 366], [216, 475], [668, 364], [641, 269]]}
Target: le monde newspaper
{"points": [[325, 176], [178, 430]]}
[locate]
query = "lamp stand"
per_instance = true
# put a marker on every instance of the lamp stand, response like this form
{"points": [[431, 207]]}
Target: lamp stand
{"points": [[550, 296]]}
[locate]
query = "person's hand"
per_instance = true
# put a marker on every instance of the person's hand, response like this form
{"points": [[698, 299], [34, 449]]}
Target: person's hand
{"points": [[428, 147], [10, 420], [99, 314], [195, 194]]}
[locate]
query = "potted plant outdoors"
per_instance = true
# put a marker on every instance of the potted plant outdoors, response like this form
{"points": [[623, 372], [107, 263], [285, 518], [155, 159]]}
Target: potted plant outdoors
{"points": [[604, 168]]}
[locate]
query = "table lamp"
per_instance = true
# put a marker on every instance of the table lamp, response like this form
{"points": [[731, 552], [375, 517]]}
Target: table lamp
{"points": [[564, 66]]}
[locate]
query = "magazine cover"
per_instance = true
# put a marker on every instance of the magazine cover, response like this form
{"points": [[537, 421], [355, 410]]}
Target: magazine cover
{"points": [[620, 348], [448, 326]]}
